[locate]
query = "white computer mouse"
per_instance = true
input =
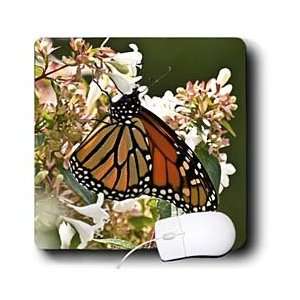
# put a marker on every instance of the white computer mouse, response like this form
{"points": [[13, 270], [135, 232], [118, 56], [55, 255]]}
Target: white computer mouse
{"points": [[195, 234]]}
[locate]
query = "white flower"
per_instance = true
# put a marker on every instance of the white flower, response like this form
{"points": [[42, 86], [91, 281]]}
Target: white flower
{"points": [[92, 96], [131, 59], [192, 139], [211, 87], [164, 107], [124, 83], [94, 211], [226, 169], [218, 87], [226, 90], [223, 77], [204, 134], [126, 205], [123, 70], [66, 234], [95, 92], [86, 232], [44, 46], [195, 136]]}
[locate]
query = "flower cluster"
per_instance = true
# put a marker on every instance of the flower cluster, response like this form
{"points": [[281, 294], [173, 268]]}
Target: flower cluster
{"points": [[210, 107]]}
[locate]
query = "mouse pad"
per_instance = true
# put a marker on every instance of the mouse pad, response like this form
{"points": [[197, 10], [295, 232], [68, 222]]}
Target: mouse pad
{"points": [[132, 130]]}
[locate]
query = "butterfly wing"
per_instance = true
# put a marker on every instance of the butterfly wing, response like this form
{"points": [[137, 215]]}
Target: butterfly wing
{"points": [[114, 159], [177, 174], [144, 156]]}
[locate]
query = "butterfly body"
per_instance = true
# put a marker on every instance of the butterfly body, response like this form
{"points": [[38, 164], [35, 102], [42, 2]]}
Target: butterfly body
{"points": [[131, 152], [125, 108]]}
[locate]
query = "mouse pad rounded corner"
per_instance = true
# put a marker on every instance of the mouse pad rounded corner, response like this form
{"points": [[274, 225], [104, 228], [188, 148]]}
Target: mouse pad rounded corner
{"points": [[129, 131]]}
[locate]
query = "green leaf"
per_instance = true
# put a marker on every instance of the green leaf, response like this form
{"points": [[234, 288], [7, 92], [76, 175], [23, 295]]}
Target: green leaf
{"points": [[152, 204], [211, 165], [164, 208], [40, 176], [154, 213], [38, 71], [39, 139], [75, 241], [87, 196], [116, 242], [55, 87], [121, 68], [227, 126], [48, 120], [140, 222]]}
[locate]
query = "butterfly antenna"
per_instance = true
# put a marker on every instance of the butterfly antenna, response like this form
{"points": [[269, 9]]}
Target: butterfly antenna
{"points": [[114, 81], [156, 81], [102, 90], [116, 86]]}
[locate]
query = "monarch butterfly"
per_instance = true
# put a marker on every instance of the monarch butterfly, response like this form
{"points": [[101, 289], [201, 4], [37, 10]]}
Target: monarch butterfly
{"points": [[132, 152]]}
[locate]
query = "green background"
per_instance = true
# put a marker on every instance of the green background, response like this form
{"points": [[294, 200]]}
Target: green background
{"points": [[192, 59]]}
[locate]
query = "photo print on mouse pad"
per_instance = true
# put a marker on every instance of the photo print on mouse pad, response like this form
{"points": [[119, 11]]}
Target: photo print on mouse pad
{"points": [[129, 131]]}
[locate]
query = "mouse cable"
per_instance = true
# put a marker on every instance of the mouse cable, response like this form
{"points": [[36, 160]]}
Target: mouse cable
{"points": [[133, 250], [166, 236]]}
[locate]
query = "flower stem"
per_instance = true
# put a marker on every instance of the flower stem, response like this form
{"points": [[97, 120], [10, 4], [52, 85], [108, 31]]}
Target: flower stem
{"points": [[45, 75]]}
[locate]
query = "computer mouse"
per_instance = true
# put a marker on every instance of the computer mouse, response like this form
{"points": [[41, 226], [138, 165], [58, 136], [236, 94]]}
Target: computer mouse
{"points": [[195, 234]]}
